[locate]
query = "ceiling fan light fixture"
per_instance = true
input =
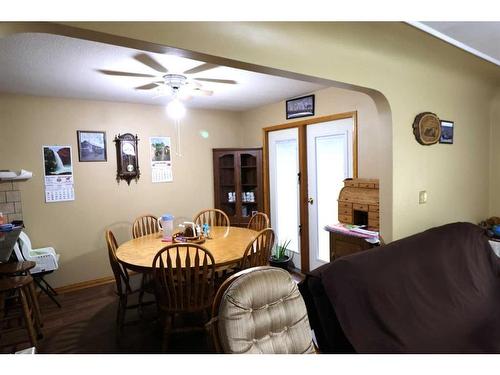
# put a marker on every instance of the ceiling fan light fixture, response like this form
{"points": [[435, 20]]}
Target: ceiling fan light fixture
{"points": [[175, 109], [175, 81]]}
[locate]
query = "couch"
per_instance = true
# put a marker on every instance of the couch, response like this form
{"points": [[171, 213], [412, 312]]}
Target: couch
{"points": [[434, 292]]}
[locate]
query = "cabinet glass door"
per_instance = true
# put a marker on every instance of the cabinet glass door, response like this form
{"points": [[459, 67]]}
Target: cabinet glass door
{"points": [[249, 186], [227, 185]]}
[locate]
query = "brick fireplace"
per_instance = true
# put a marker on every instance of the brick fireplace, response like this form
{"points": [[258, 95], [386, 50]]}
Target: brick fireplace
{"points": [[10, 201]]}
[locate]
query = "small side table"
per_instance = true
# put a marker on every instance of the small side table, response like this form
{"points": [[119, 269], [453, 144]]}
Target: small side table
{"points": [[344, 244]]}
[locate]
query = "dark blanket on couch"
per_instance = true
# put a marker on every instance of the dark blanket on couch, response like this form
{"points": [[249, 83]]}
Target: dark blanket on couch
{"points": [[434, 292]]}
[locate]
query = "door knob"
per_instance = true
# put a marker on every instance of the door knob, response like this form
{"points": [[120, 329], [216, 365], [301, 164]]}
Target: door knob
{"points": [[310, 200]]}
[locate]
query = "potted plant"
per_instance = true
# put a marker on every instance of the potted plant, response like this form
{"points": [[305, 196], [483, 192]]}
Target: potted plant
{"points": [[280, 257]]}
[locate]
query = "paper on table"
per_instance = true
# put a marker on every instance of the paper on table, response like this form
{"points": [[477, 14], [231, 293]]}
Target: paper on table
{"points": [[352, 230], [365, 231]]}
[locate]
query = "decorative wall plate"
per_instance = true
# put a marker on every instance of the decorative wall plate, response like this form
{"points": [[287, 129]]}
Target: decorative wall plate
{"points": [[427, 128], [127, 158]]}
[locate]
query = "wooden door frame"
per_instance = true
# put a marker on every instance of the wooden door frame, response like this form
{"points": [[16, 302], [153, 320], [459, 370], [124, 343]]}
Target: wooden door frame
{"points": [[304, 194]]}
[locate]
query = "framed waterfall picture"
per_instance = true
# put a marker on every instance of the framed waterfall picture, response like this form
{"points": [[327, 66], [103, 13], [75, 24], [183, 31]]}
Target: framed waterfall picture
{"points": [[58, 173], [91, 145], [300, 107]]}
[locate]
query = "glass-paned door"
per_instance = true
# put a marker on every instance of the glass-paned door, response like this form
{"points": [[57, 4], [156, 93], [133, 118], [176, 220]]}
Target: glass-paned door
{"points": [[284, 188], [329, 162]]}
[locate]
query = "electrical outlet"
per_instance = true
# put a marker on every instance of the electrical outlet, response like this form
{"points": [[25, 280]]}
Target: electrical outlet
{"points": [[422, 197]]}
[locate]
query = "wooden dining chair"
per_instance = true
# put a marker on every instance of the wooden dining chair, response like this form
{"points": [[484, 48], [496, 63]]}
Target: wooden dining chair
{"points": [[184, 277], [258, 222], [213, 217], [144, 225], [123, 288], [258, 250]]}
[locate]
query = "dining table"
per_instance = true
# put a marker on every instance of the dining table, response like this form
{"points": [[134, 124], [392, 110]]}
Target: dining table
{"points": [[226, 244]]}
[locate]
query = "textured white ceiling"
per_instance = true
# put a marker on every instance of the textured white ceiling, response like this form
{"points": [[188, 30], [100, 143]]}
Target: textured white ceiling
{"points": [[479, 38], [49, 65]]}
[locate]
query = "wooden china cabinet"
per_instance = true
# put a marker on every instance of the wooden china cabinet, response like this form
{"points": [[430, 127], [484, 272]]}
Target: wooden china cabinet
{"points": [[238, 183]]}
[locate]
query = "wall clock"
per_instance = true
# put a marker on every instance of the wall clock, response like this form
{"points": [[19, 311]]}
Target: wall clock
{"points": [[427, 128], [127, 158]]}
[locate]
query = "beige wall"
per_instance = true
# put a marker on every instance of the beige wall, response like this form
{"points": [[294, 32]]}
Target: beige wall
{"points": [[495, 157], [327, 102], [414, 71], [76, 229]]}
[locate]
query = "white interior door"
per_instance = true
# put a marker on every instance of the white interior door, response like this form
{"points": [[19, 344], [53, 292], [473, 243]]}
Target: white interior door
{"points": [[284, 188], [329, 162]]}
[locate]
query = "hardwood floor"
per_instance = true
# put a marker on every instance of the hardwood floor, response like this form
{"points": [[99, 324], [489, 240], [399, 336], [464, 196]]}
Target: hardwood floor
{"points": [[86, 324]]}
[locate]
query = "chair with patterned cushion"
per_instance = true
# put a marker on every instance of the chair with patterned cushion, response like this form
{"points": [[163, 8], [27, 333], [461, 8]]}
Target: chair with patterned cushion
{"points": [[258, 250], [184, 279], [213, 217], [260, 310], [144, 225], [258, 222]]}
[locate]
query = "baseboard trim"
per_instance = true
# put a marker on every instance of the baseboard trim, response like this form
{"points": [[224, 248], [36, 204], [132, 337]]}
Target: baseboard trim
{"points": [[85, 284]]}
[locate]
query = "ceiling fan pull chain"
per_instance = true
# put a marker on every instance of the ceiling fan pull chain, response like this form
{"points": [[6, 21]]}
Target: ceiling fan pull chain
{"points": [[178, 125]]}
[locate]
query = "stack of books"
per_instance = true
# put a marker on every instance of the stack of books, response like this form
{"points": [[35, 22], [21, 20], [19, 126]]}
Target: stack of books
{"points": [[354, 230]]}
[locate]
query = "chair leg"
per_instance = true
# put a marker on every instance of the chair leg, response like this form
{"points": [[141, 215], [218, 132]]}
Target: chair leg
{"points": [[2, 305], [123, 310], [38, 280], [141, 297], [27, 317], [120, 318], [35, 308], [209, 332], [167, 327]]}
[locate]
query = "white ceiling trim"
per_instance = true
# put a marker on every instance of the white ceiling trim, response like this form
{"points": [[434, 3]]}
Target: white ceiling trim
{"points": [[456, 43]]}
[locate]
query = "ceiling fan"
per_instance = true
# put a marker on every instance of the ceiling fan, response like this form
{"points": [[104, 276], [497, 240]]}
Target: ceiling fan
{"points": [[178, 85]]}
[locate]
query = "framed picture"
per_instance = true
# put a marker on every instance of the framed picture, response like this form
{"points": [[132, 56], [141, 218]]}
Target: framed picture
{"points": [[446, 132], [300, 107], [127, 162], [91, 145]]}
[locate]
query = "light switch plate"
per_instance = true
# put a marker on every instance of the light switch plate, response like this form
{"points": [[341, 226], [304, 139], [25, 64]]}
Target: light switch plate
{"points": [[422, 197]]}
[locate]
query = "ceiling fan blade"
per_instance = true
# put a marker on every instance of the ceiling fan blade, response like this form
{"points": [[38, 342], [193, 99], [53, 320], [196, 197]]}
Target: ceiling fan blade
{"points": [[227, 81], [201, 92], [149, 86], [124, 74], [200, 68], [152, 63]]}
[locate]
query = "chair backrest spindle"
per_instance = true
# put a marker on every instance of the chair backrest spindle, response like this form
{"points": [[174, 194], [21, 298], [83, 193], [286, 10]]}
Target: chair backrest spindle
{"points": [[258, 250], [144, 225], [213, 217], [258, 222], [184, 277]]}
